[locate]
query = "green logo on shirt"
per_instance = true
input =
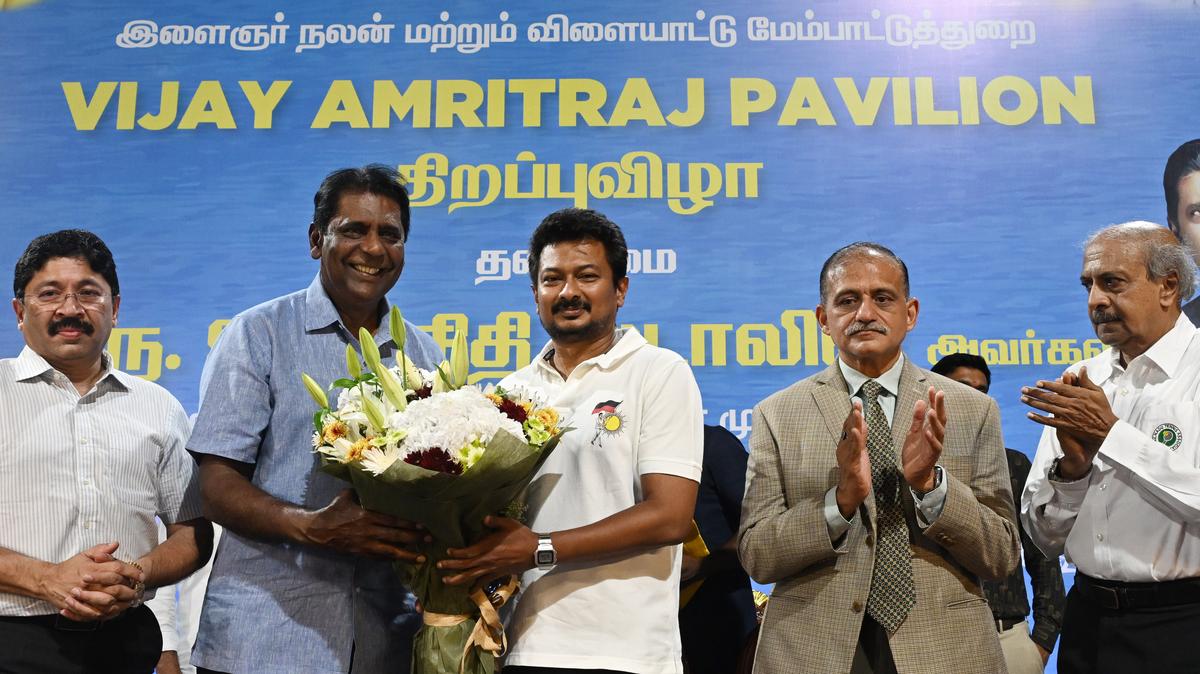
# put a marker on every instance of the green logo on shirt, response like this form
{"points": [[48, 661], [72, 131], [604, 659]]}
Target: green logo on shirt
{"points": [[1169, 435]]}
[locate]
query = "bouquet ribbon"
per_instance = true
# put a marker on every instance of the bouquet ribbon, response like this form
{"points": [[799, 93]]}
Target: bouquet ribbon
{"points": [[488, 634]]}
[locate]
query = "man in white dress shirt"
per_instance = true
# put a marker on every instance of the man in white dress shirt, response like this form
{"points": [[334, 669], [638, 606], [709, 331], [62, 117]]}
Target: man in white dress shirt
{"points": [[1115, 480], [89, 455]]}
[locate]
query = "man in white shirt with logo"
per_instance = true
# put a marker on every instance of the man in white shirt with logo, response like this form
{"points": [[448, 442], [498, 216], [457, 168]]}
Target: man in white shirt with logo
{"points": [[600, 557], [1114, 482]]}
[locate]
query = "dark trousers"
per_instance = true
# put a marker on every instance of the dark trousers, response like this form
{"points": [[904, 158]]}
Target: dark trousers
{"points": [[128, 644], [874, 653], [1098, 639]]}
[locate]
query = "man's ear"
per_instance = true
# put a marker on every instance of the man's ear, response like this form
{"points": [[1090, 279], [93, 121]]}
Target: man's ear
{"points": [[1168, 291], [622, 289], [315, 241], [822, 318]]}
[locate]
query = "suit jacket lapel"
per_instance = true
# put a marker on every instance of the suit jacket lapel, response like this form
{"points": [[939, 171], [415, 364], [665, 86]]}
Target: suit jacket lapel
{"points": [[833, 399], [912, 388]]}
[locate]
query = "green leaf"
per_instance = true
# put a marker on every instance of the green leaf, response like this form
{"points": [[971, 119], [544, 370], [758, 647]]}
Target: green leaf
{"points": [[345, 383]]}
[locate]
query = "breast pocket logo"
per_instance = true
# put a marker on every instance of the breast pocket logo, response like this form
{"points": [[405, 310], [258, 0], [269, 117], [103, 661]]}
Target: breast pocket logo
{"points": [[1169, 435], [609, 421]]}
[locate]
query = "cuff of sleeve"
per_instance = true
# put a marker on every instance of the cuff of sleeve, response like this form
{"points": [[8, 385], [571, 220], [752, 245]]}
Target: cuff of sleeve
{"points": [[1044, 636], [1123, 445], [929, 506], [684, 469], [838, 525], [1069, 494]]}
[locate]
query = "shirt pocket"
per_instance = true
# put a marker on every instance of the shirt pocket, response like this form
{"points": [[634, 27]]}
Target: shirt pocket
{"points": [[130, 465]]}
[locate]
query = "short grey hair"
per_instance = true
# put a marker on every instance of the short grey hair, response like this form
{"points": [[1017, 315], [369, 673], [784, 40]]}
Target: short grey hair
{"points": [[1163, 257]]}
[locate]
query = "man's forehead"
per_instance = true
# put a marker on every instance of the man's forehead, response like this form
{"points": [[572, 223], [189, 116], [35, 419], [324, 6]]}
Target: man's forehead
{"points": [[577, 253], [1111, 255], [863, 272]]}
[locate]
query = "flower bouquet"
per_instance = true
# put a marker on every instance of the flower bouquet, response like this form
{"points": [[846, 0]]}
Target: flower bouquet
{"points": [[424, 446]]}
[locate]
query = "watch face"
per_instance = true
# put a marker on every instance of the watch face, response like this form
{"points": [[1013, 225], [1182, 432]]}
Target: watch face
{"points": [[544, 557]]}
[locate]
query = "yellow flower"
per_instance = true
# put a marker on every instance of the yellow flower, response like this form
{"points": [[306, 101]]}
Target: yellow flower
{"points": [[549, 418], [333, 431], [496, 400], [355, 453]]}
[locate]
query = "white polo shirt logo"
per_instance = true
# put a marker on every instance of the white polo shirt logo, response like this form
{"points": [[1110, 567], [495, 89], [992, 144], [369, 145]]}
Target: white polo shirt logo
{"points": [[609, 420]]}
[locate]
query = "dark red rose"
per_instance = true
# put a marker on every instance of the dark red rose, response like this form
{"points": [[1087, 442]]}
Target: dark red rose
{"points": [[513, 410], [435, 458]]}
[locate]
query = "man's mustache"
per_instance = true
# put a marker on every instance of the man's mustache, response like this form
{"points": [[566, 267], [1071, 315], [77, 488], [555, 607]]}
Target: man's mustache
{"points": [[858, 326], [1101, 316], [567, 305], [71, 322]]}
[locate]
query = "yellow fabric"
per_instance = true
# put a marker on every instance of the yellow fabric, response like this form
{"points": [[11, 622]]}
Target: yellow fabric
{"points": [[694, 546]]}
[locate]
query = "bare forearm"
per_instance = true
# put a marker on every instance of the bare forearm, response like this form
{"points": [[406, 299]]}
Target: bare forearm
{"points": [[186, 549], [18, 573], [644, 526], [232, 501]]}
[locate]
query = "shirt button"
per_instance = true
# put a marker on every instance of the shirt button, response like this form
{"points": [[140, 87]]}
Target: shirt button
{"points": [[1099, 537], [87, 525], [1103, 486], [857, 607], [83, 441], [870, 540]]}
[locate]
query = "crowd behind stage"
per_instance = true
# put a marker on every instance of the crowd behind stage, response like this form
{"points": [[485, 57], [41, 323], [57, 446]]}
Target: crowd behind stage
{"points": [[876, 497]]}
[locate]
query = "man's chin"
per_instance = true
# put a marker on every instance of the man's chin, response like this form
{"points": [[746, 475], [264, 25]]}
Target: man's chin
{"points": [[1109, 334], [573, 332]]}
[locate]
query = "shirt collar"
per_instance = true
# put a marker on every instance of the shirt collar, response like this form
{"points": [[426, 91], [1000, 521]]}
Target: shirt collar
{"points": [[627, 341], [320, 312], [890, 380], [31, 365], [1168, 351]]}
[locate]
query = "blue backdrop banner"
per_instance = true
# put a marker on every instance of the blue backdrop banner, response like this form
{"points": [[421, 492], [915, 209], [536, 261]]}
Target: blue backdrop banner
{"points": [[737, 144]]}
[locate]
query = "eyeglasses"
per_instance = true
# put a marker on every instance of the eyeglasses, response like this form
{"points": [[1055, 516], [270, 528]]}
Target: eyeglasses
{"points": [[50, 297]]}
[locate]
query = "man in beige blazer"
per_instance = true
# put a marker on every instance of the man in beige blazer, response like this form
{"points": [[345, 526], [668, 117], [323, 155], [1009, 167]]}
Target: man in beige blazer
{"points": [[876, 533]]}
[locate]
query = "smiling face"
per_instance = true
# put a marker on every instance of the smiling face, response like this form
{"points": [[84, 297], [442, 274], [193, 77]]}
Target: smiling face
{"points": [[866, 312], [361, 251], [67, 313], [576, 298]]}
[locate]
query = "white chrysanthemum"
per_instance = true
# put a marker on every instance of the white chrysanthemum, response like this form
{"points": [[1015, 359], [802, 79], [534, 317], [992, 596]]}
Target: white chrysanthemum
{"points": [[376, 460], [454, 421]]}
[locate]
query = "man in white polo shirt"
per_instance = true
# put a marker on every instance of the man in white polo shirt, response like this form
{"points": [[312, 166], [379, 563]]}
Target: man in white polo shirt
{"points": [[600, 557]]}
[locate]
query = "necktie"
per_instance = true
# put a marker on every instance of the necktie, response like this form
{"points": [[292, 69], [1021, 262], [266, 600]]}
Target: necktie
{"points": [[892, 594]]}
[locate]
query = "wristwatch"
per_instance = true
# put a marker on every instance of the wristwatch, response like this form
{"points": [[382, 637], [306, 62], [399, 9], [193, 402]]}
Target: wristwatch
{"points": [[545, 557]]}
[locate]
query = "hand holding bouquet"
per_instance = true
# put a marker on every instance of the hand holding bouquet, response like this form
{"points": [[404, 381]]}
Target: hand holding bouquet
{"points": [[425, 446]]}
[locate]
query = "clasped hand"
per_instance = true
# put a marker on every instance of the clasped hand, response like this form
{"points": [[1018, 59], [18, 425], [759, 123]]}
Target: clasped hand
{"points": [[1079, 412], [92, 585]]}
